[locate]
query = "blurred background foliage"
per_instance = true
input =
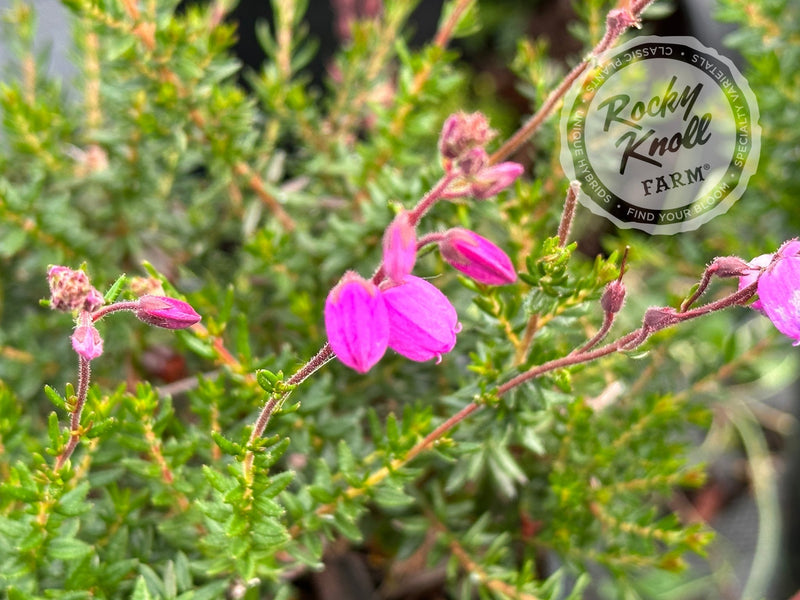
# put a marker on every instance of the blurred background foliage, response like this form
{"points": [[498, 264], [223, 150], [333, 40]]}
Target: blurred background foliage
{"points": [[251, 189]]}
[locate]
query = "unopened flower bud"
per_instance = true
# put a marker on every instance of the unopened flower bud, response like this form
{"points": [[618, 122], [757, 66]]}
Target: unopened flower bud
{"points": [[399, 248], [86, 340], [70, 290], [462, 132], [493, 180], [613, 297], [472, 162], [169, 313], [477, 257], [728, 266], [658, 317]]}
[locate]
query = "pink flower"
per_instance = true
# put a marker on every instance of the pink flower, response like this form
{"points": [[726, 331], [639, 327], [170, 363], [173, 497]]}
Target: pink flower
{"points": [[356, 322], [86, 340], [779, 291], [477, 257], [399, 248], [422, 322], [169, 313], [757, 265], [493, 180]]}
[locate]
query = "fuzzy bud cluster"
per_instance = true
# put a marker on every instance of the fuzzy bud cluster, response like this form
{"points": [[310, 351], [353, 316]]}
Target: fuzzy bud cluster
{"points": [[71, 290], [463, 132]]}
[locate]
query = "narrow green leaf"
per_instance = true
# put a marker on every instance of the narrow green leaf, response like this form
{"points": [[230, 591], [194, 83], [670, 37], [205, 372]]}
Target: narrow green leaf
{"points": [[64, 548], [114, 290], [140, 591], [57, 399]]}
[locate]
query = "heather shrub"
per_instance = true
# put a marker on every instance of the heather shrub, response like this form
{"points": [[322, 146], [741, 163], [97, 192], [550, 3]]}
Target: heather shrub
{"points": [[252, 324]]}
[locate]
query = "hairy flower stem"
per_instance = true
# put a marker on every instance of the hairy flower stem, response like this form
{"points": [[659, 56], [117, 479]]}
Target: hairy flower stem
{"points": [[110, 308], [701, 288], [627, 342], [277, 399], [630, 341], [613, 30], [432, 197], [436, 193], [568, 214], [84, 375]]}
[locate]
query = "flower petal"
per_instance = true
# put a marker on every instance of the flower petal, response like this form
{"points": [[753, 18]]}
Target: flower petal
{"points": [[779, 292], [477, 257], [356, 322], [422, 322]]}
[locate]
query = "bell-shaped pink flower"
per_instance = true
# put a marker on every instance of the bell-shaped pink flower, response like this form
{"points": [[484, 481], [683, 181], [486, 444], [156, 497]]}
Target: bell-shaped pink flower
{"points": [[493, 180], [477, 257], [357, 322], [399, 248], [169, 313], [422, 322], [779, 294], [86, 340]]}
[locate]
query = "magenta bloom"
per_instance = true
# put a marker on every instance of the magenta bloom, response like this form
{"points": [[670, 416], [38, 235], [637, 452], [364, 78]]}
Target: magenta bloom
{"points": [[169, 313], [788, 250], [779, 294], [399, 248], [493, 180], [86, 340], [477, 257], [422, 322], [356, 322]]}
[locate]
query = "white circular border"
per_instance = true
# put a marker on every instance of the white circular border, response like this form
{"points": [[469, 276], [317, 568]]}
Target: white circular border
{"points": [[748, 170]]}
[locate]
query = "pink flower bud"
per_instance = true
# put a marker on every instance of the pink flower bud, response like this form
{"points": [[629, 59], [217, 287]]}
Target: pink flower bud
{"points": [[356, 322], [618, 20], [613, 297], [462, 132], [399, 248], [728, 266], [70, 290], [422, 322], [472, 162], [86, 340], [169, 313], [493, 180], [659, 317], [477, 257]]}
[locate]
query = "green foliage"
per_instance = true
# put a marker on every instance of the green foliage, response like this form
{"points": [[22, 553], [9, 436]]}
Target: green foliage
{"points": [[251, 202]]}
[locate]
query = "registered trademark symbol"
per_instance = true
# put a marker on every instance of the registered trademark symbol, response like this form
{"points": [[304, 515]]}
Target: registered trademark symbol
{"points": [[706, 167]]}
